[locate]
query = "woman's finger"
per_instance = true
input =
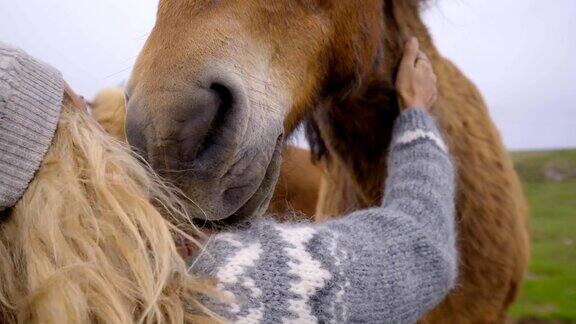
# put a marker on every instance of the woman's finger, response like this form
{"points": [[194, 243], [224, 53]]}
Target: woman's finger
{"points": [[410, 53], [422, 56], [425, 66]]}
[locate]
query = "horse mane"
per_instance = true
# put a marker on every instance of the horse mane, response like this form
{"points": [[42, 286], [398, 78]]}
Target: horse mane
{"points": [[365, 90], [91, 240]]}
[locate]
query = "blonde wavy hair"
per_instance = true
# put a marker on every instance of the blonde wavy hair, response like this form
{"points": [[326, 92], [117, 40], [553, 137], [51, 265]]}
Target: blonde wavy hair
{"points": [[90, 240]]}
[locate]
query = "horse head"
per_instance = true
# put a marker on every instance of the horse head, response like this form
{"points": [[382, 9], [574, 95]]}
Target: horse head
{"points": [[219, 84]]}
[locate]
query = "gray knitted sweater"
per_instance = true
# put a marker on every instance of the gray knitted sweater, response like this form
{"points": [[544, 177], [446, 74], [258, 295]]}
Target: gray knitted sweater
{"points": [[388, 264]]}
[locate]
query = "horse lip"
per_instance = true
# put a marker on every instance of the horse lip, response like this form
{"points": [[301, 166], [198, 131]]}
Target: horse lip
{"points": [[257, 204]]}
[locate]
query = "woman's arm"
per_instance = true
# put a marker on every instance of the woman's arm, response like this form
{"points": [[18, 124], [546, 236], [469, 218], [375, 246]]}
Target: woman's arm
{"points": [[386, 264], [391, 263]]}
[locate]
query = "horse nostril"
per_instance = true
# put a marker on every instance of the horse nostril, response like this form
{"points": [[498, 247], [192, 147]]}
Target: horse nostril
{"points": [[175, 130], [224, 94], [225, 105], [226, 102]]}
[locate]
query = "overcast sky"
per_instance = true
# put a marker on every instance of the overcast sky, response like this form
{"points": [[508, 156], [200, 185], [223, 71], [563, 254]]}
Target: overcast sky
{"points": [[521, 53]]}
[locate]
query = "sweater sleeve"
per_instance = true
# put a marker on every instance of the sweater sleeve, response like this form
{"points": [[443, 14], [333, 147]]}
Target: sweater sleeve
{"points": [[387, 264]]}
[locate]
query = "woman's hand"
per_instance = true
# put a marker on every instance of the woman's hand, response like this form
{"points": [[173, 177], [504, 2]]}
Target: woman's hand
{"points": [[416, 81]]}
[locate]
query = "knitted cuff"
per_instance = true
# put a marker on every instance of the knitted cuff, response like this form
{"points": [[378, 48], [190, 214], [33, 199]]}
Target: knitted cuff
{"points": [[414, 125], [31, 94]]}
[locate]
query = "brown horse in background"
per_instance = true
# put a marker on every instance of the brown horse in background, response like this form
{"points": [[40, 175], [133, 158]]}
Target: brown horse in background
{"points": [[218, 83], [109, 110], [296, 193]]}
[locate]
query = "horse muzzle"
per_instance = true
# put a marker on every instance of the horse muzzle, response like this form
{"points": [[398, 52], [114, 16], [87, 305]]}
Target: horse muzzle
{"points": [[211, 142]]}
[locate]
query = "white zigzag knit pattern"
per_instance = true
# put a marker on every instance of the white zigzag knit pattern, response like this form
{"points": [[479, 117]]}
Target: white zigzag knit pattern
{"points": [[234, 270], [253, 316], [413, 135], [303, 265], [341, 287]]}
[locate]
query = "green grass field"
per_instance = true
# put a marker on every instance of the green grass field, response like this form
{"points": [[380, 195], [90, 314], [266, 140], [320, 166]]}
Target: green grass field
{"points": [[549, 291]]}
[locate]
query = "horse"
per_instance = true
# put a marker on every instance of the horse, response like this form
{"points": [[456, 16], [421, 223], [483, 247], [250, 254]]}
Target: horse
{"points": [[219, 84], [296, 192]]}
